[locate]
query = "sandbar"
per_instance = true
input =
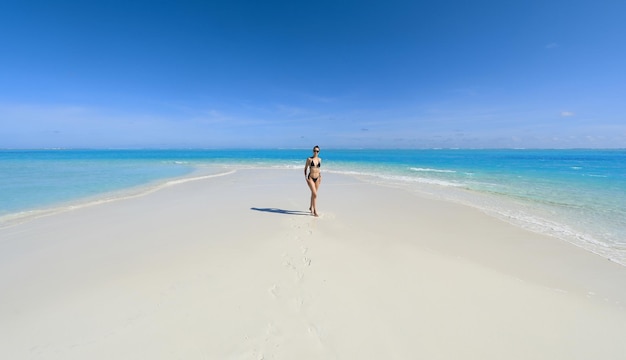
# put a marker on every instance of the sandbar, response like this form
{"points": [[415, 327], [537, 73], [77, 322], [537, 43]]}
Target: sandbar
{"points": [[234, 267]]}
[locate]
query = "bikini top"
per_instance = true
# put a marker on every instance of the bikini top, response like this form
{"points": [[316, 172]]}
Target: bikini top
{"points": [[319, 163]]}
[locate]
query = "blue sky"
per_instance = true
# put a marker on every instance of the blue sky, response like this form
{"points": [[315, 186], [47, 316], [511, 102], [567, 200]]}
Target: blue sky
{"points": [[409, 74]]}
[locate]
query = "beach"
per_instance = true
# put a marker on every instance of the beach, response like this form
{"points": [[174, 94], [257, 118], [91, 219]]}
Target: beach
{"points": [[232, 266]]}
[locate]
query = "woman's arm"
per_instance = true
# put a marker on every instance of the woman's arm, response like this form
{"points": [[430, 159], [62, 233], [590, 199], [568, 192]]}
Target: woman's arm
{"points": [[308, 161], [320, 183]]}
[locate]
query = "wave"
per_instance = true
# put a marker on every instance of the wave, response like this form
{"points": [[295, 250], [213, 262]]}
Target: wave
{"points": [[398, 178], [538, 224], [431, 170]]}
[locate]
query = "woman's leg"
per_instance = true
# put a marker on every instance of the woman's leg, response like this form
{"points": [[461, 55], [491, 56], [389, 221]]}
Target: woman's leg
{"points": [[317, 186], [313, 186]]}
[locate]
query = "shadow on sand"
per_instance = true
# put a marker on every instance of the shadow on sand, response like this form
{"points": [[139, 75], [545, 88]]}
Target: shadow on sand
{"points": [[281, 211]]}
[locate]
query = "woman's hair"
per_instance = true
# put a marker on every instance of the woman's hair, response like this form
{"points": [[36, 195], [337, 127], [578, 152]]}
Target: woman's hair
{"points": [[316, 147]]}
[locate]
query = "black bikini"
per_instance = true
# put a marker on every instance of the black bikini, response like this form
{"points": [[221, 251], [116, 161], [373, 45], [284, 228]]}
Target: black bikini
{"points": [[319, 164]]}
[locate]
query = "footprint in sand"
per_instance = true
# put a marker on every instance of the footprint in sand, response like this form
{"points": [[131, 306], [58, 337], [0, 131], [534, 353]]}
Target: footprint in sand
{"points": [[298, 303], [273, 290], [289, 265], [315, 332]]}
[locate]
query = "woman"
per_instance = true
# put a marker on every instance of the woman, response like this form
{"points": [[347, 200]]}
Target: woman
{"points": [[314, 177]]}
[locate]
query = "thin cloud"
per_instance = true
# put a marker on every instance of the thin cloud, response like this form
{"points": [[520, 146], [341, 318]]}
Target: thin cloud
{"points": [[567, 114]]}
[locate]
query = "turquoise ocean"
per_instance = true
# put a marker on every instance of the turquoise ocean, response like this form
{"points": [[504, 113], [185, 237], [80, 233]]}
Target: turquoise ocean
{"points": [[578, 196]]}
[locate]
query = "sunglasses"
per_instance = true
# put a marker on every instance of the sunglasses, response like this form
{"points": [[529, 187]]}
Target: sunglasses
{"points": [[316, 151]]}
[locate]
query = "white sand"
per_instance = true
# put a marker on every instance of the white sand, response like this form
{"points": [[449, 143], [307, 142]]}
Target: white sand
{"points": [[192, 271]]}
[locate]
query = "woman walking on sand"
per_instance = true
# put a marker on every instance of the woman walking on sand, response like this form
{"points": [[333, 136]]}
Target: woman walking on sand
{"points": [[314, 177]]}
